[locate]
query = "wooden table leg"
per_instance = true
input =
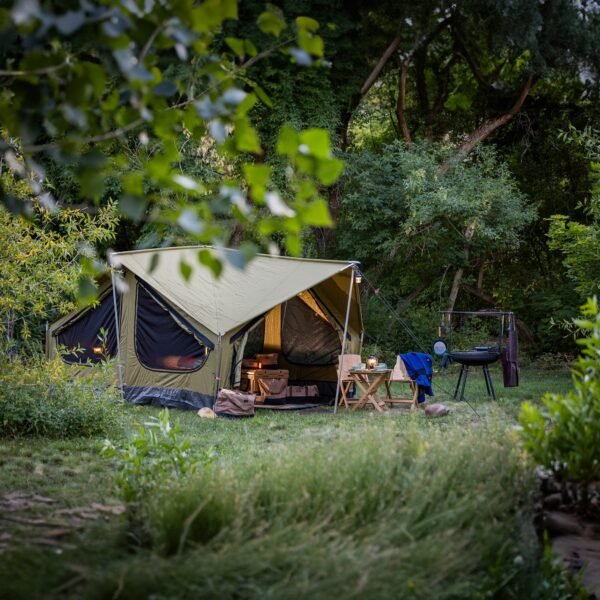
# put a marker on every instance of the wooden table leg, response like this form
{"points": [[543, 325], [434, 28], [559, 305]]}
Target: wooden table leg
{"points": [[370, 392]]}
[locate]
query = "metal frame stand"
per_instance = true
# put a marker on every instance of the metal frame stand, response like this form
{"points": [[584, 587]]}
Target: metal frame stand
{"points": [[462, 378]]}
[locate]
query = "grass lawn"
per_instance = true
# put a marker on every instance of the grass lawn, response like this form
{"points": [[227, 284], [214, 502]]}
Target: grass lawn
{"points": [[355, 512]]}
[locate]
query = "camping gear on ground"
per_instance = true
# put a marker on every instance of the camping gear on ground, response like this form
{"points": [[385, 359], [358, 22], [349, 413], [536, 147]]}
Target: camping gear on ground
{"points": [[399, 374], [419, 367], [178, 341], [485, 355], [267, 360], [265, 382], [234, 403], [272, 387], [302, 391]]}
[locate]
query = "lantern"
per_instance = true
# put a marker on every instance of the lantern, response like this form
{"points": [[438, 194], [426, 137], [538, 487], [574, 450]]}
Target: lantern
{"points": [[371, 361]]}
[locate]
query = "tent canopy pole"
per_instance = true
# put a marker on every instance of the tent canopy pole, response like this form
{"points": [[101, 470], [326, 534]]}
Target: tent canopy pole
{"points": [[117, 331], [344, 341]]}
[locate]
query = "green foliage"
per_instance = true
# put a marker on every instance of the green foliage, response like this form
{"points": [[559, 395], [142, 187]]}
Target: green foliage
{"points": [[564, 433], [310, 521], [44, 259], [580, 242], [39, 398], [580, 246], [405, 220], [155, 456], [131, 96]]}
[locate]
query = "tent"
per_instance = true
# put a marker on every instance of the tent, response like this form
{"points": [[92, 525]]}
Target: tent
{"points": [[179, 341]]}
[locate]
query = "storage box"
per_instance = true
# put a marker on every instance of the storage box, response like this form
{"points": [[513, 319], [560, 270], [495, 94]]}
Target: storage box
{"points": [[267, 360]]}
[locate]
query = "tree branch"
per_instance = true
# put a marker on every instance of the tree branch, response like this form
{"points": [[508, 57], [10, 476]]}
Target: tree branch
{"points": [[488, 127], [42, 71], [393, 46], [423, 285], [419, 45], [466, 54], [102, 137]]}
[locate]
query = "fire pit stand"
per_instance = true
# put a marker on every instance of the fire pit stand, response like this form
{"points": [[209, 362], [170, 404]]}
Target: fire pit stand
{"points": [[475, 358], [480, 356]]}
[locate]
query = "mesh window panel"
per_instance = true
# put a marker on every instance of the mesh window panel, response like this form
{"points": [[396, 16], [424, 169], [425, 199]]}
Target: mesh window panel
{"points": [[306, 338], [161, 342], [256, 340], [83, 336]]}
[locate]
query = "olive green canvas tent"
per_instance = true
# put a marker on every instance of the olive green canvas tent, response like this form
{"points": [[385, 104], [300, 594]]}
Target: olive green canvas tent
{"points": [[178, 341]]}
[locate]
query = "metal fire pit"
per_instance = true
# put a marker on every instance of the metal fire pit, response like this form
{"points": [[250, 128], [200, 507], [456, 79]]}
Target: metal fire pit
{"points": [[478, 357]]}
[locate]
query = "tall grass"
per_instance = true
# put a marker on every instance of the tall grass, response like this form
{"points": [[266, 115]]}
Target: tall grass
{"points": [[45, 399], [415, 514]]}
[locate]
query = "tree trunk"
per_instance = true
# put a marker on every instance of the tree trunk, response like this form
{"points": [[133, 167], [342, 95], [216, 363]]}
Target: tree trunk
{"points": [[480, 275], [469, 233], [372, 78], [236, 236], [401, 104]]}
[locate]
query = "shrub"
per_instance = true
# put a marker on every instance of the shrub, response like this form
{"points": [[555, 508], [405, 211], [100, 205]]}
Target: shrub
{"points": [[564, 433], [155, 455], [40, 398]]}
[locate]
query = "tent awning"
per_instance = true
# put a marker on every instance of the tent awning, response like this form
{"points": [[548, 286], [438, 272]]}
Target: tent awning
{"points": [[237, 296]]}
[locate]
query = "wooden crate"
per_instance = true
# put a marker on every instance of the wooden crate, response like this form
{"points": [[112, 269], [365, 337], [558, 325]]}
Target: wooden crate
{"points": [[267, 359]]}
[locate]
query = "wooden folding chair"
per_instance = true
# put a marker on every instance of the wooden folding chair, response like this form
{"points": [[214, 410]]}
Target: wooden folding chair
{"points": [[349, 361], [400, 375]]}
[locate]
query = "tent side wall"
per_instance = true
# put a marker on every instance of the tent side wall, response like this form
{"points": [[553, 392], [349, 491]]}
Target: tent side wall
{"points": [[164, 386], [54, 330]]}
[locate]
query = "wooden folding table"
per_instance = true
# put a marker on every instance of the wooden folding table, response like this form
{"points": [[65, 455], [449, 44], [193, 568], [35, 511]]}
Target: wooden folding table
{"points": [[368, 381]]}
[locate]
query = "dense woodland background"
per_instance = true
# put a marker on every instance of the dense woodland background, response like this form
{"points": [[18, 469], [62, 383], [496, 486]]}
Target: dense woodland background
{"points": [[471, 147]]}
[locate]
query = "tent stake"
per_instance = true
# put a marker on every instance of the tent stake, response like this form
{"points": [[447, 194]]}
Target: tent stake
{"points": [[344, 340], [117, 331]]}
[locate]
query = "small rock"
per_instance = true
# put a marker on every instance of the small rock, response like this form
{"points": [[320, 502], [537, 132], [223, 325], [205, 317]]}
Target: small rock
{"points": [[206, 413], [560, 523], [553, 501], [436, 410]]}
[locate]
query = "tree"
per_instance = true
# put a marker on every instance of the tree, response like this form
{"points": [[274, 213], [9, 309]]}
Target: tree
{"points": [[80, 85], [42, 259], [580, 242], [410, 223]]}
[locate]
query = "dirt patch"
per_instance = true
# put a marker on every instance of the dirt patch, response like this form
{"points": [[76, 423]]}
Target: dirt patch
{"points": [[574, 536], [33, 520]]}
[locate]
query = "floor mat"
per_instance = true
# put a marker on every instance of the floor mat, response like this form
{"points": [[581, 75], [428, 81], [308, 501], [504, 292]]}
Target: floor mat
{"points": [[302, 406]]}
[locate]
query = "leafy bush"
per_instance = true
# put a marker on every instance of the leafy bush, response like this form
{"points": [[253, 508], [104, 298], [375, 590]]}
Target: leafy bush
{"points": [[564, 433], [42, 398], [155, 455]]}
